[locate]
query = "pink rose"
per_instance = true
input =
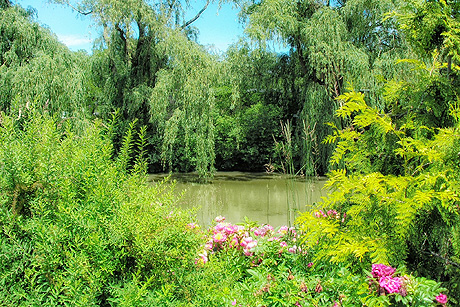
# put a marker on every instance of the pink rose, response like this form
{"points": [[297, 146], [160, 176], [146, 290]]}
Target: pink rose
{"points": [[381, 270], [392, 285], [441, 298]]}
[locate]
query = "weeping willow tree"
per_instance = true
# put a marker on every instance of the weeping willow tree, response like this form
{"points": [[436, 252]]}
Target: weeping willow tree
{"points": [[333, 43], [147, 66], [183, 103], [36, 68]]}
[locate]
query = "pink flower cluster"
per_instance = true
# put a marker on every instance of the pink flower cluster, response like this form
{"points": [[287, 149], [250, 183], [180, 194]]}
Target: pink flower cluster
{"points": [[386, 281], [226, 235], [202, 258], [381, 270]]}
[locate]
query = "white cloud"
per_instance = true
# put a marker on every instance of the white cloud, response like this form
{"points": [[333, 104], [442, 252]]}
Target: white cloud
{"points": [[74, 40]]}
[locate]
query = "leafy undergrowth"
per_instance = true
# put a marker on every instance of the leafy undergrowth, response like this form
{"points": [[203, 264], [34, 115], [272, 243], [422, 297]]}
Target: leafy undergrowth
{"points": [[80, 227], [263, 266]]}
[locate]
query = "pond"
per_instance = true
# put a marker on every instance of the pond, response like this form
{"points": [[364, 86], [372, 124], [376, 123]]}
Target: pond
{"points": [[261, 197]]}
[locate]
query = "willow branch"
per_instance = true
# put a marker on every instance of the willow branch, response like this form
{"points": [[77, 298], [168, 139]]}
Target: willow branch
{"points": [[196, 16], [170, 10], [78, 10]]}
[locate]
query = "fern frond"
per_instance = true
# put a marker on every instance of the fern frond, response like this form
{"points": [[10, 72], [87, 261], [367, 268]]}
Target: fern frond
{"points": [[336, 176], [353, 102]]}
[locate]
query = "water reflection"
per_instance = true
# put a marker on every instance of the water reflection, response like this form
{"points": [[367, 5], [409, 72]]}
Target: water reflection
{"points": [[266, 198]]}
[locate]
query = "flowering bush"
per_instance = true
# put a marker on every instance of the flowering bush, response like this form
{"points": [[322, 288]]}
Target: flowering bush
{"points": [[224, 236], [271, 267]]}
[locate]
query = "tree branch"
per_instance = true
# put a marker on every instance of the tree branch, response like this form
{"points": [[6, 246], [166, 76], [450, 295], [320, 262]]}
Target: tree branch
{"points": [[78, 10], [5, 4], [447, 260], [196, 16]]}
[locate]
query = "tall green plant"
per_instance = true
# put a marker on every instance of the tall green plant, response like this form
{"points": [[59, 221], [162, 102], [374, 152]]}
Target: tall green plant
{"points": [[383, 213], [77, 226]]}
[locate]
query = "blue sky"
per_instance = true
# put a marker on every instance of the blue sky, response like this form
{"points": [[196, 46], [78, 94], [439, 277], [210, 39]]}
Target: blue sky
{"points": [[218, 27]]}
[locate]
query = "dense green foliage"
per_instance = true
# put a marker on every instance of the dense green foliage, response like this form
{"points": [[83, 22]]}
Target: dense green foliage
{"points": [[78, 133], [397, 177], [332, 43], [35, 67], [147, 67], [405, 209], [77, 228]]}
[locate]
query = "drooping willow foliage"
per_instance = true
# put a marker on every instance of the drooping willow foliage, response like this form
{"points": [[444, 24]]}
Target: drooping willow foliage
{"points": [[183, 105], [332, 44], [36, 68], [203, 112]]}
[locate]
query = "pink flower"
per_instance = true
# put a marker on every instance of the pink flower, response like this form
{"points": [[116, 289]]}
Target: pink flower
{"points": [[259, 232], [219, 219], [230, 229], [208, 245], [247, 252], [219, 237], [220, 227], [392, 285], [333, 214], [283, 244], [202, 258], [233, 302], [292, 249], [251, 244], [441, 298], [246, 241], [234, 242], [310, 264], [262, 231], [192, 225], [381, 270], [283, 230]]}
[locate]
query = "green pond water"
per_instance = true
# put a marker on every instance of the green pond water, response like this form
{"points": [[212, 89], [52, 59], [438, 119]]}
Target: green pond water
{"points": [[265, 198]]}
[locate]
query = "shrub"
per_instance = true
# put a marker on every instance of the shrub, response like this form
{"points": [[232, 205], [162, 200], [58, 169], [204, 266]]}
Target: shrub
{"points": [[77, 227], [407, 219], [272, 267]]}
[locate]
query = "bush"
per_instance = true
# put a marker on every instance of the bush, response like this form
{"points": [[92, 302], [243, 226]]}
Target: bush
{"points": [[407, 219], [77, 227], [262, 266]]}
